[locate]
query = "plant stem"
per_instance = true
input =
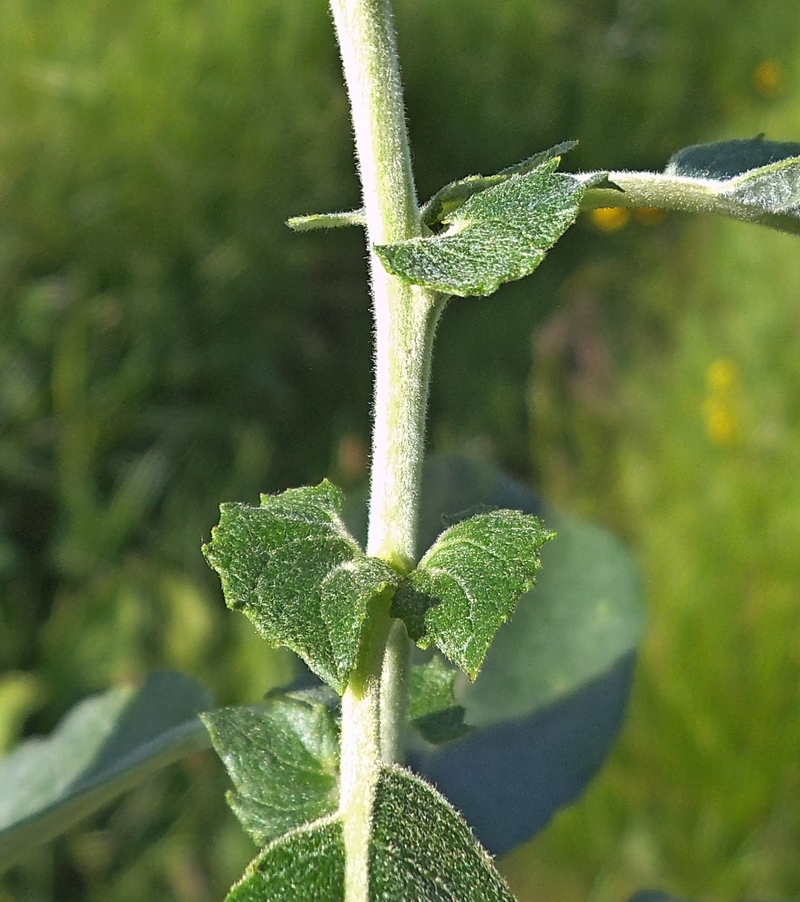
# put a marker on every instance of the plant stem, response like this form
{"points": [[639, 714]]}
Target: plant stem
{"points": [[682, 193], [405, 321]]}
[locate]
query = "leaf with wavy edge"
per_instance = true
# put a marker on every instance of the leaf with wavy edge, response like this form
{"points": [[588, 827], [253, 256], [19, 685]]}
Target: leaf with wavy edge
{"points": [[293, 568], [469, 582]]}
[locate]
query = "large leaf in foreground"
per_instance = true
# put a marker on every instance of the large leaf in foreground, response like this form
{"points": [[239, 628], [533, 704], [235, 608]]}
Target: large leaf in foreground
{"points": [[497, 235], [469, 582], [283, 758], [299, 576], [306, 865], [551, 695], [420, 849], [104, 746]]}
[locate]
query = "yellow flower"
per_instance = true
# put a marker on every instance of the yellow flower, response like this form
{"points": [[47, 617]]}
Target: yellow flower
{"points": [[721, 405], [610, 219], [769, 79]]}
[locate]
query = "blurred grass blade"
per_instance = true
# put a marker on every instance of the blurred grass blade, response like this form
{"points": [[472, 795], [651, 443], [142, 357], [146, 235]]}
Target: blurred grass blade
{"points": [[104, 746]]}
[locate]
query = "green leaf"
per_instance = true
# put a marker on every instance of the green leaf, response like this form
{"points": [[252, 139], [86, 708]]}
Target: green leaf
{"points": [[300, 577], [468, 584], [497, 235], [724, 160], [422, 849], [751, 180], [432, 706], [306, 865], [104, 746], [448, 199], [283, 759], [585, 614]]}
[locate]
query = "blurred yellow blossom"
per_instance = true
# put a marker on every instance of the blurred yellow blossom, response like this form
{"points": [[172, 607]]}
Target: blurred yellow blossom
{"points": [[769, 78], [610, 219], [721, 404]]}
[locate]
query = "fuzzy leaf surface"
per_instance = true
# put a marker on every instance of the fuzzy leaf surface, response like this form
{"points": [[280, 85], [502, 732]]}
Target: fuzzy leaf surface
{"points": [[104, 746], [422, 849], [293, 568], [283, 760], [497, 235], [305, 865], [432, 706], [448, 199], [327, 221], [469, 582]]}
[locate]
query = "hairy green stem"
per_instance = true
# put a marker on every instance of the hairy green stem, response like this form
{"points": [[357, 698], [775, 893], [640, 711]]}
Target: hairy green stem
{"points": [[682, 193], [405, 319]]}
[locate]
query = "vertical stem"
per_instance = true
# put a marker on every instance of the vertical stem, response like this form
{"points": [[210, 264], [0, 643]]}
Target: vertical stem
{"points": [[405, 319]]}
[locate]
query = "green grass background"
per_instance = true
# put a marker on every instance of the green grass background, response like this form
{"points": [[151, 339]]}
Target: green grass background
{"points": [[165, 344]]}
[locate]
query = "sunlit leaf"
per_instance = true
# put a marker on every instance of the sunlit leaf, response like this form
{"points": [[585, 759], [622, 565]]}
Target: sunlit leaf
{"points": [[448, 199], [422, 849], [299, 576], [468, 584], [497, 235], [305, 865]]}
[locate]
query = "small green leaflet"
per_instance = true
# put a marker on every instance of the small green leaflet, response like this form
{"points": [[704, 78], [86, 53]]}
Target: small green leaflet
{"points": [[283, 759], [432, 706], [298, 574], [468, 584], [327, 221], [497, 235], [444, 202]]}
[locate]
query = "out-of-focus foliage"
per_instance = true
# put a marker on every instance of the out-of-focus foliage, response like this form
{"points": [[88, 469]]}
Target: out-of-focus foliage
{"points": [[165, 344], [682, 427]]}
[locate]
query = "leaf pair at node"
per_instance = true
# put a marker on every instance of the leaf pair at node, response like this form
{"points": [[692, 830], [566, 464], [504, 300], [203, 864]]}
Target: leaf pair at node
{"points": [[303, 580]]}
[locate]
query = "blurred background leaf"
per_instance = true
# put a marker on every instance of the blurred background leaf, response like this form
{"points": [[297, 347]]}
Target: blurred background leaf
{"points": [[165, 344]]}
